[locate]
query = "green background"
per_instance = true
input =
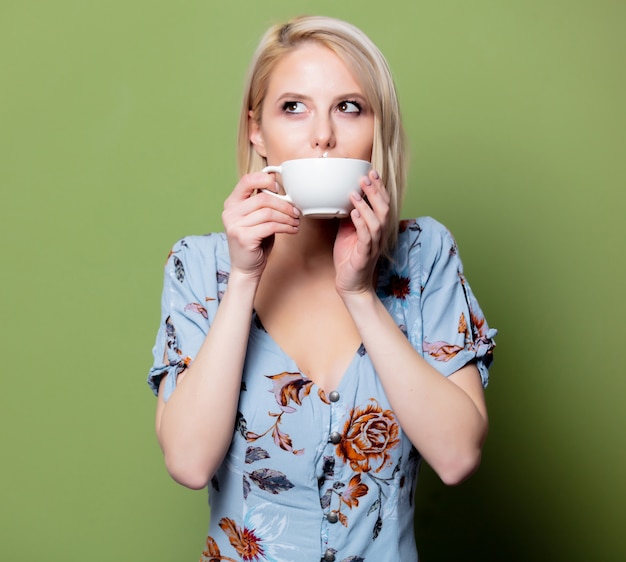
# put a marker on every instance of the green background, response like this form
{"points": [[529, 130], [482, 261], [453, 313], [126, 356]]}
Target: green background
{"points": [[117, 123]]}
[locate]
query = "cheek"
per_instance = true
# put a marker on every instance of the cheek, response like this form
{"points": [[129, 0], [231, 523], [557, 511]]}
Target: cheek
{"points": [[364, 140], [365, 149], [280, 138], [367, 152]]}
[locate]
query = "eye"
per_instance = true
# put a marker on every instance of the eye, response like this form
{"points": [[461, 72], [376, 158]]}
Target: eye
{"points": [[349, 107], [294, 107]]}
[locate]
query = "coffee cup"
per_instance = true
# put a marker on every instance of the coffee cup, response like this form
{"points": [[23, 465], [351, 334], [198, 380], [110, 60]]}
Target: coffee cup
{"points": [[320, 187]]}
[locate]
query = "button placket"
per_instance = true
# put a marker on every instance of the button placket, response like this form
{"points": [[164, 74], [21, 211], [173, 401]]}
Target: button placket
{"points": [[334, 438], [332, 517]]}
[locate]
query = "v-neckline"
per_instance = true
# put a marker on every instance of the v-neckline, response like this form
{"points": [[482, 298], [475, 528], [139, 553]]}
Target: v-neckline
{"points": [[258, 325]]}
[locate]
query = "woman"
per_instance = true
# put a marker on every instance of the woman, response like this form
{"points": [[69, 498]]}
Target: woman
{"points": [[299, 361]]}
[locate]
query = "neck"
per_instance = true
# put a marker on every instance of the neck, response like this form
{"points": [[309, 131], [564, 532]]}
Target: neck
{"points": [[311, 246]]}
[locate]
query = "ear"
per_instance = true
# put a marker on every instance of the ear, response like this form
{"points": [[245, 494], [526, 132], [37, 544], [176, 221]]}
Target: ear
{"points": [[256, 136]]}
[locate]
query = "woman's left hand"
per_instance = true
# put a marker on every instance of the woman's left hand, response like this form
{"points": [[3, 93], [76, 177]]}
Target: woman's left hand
{"points": [[361, 237]]}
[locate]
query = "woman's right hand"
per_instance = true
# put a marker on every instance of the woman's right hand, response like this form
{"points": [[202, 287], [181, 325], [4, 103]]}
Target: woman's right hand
{"points": [[252, 219]]}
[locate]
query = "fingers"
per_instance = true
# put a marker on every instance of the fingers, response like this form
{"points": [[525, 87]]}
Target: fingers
{"points": [[370, 213], [249, 184], [251, 219], [376, 193], [251, 215], [262, 207], [249, 205]]}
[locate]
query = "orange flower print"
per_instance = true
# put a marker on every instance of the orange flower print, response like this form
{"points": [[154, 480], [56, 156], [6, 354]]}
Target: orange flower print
{"points": [[477, 338], [257, 540], [478, 325], [347, 495], [368, 437], [441, 350], [244, 541], [462, 329], [353, 491], [290, 387], [211, 552], [197, 308], [322, 396]]}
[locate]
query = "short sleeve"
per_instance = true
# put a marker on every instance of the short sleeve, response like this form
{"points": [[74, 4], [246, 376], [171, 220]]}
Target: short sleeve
{"points": [[454, 328], [195, 277]]}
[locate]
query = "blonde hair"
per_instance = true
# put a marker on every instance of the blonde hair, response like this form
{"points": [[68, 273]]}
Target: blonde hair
{"points": [[369, 67]]}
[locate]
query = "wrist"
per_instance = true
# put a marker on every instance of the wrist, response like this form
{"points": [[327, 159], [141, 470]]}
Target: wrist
{"points": [[358, 300], [242, 282]]}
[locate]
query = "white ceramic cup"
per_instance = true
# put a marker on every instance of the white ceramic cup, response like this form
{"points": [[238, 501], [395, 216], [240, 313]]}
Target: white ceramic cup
{"points": [[320, 187]]}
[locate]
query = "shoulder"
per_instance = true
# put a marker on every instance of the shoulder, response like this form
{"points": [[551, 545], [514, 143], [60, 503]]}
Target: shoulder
{"points": [[212, 243], [423, 236], [200, 249], [419, 247], [193, 257], [426, 228]]}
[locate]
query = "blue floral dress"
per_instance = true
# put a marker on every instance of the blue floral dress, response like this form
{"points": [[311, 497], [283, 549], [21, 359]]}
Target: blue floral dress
{"points": [[312, 475]]}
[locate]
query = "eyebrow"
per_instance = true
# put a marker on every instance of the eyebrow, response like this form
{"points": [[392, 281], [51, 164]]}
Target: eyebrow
{"points": [[293, 95], [297, 96]]}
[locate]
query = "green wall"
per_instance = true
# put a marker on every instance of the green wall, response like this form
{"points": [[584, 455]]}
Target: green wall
{"points": [[117, 127]]}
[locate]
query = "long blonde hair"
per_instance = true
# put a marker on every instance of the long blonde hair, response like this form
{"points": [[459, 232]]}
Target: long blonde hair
{"points": [[369, 67]]}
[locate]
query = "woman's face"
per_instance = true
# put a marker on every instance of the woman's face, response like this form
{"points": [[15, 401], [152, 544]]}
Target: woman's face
{"points": [[313, 107]]}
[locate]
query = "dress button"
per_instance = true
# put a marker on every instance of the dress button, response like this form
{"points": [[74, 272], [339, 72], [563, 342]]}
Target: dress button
{"points": [[333, 396], [335, 437], [332, 517], [329, 556]]}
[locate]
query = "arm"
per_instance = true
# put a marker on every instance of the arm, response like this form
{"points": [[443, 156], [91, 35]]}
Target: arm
{"points": [[445, 418], [195, 426]]}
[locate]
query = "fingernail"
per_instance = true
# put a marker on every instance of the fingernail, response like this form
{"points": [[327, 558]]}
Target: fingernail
{"points": [[296, 211], [367, 181], [357, 196], [375, 175]]}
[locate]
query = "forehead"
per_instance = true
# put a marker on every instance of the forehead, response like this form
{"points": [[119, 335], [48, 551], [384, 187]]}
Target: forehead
{"points": [[312, 67]]}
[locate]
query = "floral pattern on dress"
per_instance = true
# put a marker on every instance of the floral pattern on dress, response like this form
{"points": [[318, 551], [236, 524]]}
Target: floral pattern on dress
{"points": [[285, 476], [289, 390], [395, 280], [477, 335], [368, 437], [257, 539], [370, 434], [398, 285], [174, 355]]}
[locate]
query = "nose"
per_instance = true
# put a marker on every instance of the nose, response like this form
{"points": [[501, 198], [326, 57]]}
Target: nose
{"points": [[323, 133]]}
